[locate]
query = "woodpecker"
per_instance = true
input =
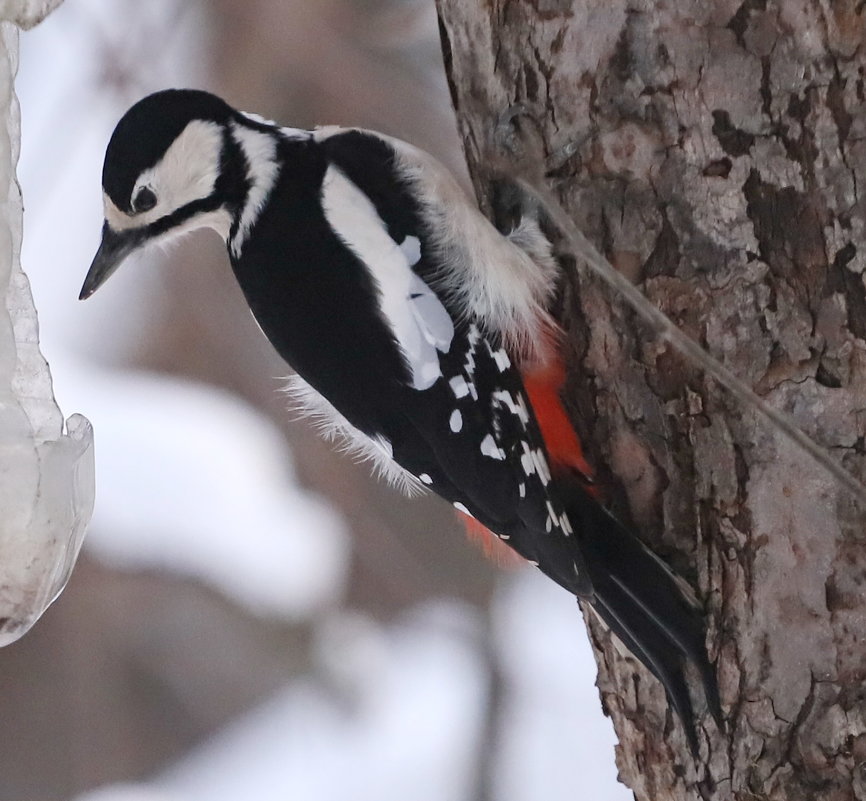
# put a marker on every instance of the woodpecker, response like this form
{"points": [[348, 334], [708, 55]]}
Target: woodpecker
{"points": [[420, 334]]}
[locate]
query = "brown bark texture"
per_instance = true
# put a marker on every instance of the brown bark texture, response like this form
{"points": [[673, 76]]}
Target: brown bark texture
{"points": [[715, 152]]}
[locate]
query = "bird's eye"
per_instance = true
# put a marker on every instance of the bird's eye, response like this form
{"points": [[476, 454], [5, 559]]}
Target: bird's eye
{"points": [[145, 200]]}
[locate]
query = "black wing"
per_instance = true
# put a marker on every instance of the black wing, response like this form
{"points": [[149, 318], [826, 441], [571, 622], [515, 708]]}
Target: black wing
{"points": [[470, 435], [473, 438]]}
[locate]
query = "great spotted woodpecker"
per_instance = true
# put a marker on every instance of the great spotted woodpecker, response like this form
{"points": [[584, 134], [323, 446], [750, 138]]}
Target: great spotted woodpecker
{"points": [[418, 331]]}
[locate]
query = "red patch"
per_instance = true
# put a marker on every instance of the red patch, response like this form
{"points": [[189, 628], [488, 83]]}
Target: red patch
{"points": [[491, 546], [544, 388]]}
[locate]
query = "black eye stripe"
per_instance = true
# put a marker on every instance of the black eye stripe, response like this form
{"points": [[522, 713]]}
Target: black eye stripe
{"points": [[145, 200]]}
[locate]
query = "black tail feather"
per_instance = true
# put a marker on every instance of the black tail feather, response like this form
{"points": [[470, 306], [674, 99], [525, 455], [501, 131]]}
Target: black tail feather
{"points": [[655, 654], [641, 602]]}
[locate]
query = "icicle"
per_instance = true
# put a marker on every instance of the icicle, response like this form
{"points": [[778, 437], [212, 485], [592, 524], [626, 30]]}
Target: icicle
{"points": [[46, 467]]}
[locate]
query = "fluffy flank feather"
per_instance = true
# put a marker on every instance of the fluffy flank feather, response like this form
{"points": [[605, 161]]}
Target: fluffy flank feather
{"points": [[334, 427], [529, 237], [504, 282]]}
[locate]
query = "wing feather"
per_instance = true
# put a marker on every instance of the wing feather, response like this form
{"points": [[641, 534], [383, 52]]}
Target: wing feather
{"points": [[419, 322]]}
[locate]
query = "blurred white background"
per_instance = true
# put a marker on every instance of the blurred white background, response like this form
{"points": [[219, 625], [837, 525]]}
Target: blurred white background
{"points": [[253, 617]]}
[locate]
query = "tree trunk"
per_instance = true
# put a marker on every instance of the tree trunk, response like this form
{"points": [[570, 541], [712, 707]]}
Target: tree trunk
{"points": [[715, 153]]}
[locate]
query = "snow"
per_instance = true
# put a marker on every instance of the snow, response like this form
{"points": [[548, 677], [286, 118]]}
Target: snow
{"points": [[399, 715], [553, 736], [409, 729], [46, 465], [195, 481], [26, 13], [189, 480], [406, 726], [128, 792]]}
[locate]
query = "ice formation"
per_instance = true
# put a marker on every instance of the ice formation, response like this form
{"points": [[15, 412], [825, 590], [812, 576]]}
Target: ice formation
{"points": [[46, 465]]}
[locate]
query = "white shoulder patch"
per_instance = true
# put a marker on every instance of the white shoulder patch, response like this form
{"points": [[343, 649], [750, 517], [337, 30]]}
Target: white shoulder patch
{"points": [[334, 427], [420, 323], [505, 281]]}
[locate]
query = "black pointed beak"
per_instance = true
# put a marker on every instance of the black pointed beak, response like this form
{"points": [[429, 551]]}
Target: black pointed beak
{"points": [[113, 249]]}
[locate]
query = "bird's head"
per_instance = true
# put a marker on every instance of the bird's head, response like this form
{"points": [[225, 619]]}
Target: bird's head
{"points": [[165, 173]]}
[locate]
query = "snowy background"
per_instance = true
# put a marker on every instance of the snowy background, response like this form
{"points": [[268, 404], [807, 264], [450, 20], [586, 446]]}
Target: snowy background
{"points": [[253, 618]]}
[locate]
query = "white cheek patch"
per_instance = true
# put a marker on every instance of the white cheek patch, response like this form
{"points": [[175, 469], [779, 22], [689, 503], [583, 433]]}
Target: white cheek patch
{"points": [[187, 172]]}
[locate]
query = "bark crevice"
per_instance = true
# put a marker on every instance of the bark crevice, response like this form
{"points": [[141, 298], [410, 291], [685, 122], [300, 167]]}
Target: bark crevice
{"points": [[713, 152]]}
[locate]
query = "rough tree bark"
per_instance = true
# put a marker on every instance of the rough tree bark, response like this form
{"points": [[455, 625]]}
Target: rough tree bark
{"points": [[716, 153]]}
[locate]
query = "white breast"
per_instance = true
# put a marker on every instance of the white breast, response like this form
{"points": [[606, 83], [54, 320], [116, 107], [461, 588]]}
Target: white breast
{"points": [[334, 427]]}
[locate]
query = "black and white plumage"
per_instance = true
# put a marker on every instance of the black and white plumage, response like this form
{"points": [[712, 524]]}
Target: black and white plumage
{"points": [[407, 317]]}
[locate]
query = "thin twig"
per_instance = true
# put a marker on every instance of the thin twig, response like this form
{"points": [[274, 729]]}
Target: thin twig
{"points": [[661, 323]]}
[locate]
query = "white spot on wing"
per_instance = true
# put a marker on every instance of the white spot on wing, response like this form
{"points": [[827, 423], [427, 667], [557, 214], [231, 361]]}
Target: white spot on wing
{"points": [[456, 421], [526, 460], [491, 449], [425, 478], [419, 321], [552, 517], [459, 386], [474, 337], [500, 357], [540, 462], [516, 407], [461, 508], [433, 321], [411, 248]]}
